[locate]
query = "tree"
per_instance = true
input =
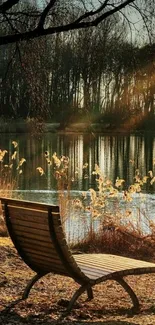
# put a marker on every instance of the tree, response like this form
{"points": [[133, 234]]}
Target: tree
{"points": [[48, 16]]}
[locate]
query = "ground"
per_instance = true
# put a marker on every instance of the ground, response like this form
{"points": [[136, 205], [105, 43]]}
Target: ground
{"points": [[48, 298]]}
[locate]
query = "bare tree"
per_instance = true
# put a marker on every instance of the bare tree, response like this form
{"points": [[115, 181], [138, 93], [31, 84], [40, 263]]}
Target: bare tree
{"points": [[48, 16]]}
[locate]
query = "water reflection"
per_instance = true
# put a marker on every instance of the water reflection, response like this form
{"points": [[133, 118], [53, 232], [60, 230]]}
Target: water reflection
{"points": [[117, 156]]}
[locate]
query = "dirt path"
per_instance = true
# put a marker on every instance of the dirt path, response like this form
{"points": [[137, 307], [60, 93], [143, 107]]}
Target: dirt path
{"points": [[48, 298]]}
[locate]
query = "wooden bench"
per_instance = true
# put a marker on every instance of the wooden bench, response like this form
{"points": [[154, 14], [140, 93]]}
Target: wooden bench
{"points": [[38, 236]]}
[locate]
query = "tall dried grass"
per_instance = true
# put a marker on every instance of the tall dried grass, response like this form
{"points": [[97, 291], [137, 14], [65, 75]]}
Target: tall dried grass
{"points": [[10, 169], [121, 229]]}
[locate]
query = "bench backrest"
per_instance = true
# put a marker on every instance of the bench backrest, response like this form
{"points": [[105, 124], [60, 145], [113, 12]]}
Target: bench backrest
{"points": [[37, 234]]}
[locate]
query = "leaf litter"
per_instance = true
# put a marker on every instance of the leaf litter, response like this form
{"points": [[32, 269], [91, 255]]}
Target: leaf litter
{"points": [[49, 297]]}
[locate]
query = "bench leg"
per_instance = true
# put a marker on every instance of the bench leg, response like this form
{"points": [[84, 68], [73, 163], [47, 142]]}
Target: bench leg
{"points": [[78, 293], [30, 285], [90, 293], [130, 292]]}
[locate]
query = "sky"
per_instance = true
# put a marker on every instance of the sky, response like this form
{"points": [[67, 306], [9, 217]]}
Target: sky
{"points": [[137, 33]]}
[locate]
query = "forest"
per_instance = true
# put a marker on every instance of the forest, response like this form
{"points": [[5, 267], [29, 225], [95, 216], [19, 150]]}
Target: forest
{"points": [[97, 75]]}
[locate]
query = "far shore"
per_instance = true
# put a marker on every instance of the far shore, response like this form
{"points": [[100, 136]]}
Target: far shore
{"points": [[12, 126]]}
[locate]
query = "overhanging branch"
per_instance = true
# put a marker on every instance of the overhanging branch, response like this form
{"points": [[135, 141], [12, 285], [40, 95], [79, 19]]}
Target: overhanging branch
{"points": [[89, 19], [45, 13]]}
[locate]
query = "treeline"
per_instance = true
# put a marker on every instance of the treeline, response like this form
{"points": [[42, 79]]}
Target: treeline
{"points": [[94, 74]]}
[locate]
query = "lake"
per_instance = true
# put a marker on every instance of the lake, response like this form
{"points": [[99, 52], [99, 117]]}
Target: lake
{"points": [[117, 156]]}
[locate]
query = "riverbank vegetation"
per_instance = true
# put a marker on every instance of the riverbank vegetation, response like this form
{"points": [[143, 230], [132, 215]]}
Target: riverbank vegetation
{"points": [[11, 167], [111, 220]]}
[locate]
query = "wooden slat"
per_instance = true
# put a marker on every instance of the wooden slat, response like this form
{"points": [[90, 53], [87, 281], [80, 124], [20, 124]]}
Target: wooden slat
{"points": [[111, 260], [47, 267], [35, 238], [17, 227], [94, 271], [48, 253], [121, 259], [99, 266], [110, 267], [34, 216], [29, 224], [31, 218], [26, 211], [35, 242], [36, 205], [25, 234], [54, 260], [53, 263], [39, 248]]}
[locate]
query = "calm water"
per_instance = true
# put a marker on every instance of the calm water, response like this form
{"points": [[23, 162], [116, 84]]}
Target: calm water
{"points": [[117, 156]]}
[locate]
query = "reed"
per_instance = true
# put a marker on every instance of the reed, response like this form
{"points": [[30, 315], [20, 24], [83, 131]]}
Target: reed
{"points": [[121, 229], [10, 170]]}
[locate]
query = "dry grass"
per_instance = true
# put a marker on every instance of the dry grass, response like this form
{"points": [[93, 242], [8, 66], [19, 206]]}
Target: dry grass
{"points": [[10, 169], [118, 241]]}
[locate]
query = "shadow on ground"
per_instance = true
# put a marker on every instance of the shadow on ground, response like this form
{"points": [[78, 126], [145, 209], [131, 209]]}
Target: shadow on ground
{"points": [[12, 318], [50, 317]]}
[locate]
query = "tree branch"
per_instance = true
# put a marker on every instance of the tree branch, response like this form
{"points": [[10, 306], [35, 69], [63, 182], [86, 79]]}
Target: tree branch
{"points": [[45, 13], [7, 5], [112, 11], [92, 13], [77, 24]]}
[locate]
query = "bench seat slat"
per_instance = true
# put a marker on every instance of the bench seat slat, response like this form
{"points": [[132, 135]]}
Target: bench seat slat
{"points": [[34, 231], [47, 253], [47, 261], [95, 264], [44, 258], [47, 247], [30, 224], [43, 233], [18, 211], [47, 268], [29, 205], [34, 237], [30, 218], [26, 234], [35, 242], [109, 266], [106, 259], [35, 260], [93, 271]]}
